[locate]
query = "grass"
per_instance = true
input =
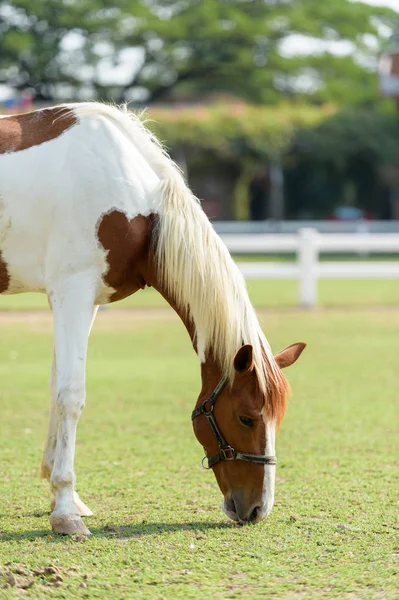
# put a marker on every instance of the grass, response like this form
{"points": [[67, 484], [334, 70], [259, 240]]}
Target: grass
{"points": [[264, 294], [158, 531]]}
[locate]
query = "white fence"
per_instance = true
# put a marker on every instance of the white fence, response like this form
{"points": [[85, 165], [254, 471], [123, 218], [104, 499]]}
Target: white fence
{"points": [[307, 269], [293, 227]]}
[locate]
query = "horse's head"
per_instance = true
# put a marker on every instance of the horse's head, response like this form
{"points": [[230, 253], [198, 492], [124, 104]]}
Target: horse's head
{"points": [[236, 424]]}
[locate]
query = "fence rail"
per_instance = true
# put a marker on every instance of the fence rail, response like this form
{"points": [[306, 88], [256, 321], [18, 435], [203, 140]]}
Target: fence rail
{"points": [[307, 245], [324, 242], [292, 227]]}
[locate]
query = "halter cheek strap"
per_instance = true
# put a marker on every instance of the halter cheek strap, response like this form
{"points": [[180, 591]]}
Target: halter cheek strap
{"points": [[226, 451]]}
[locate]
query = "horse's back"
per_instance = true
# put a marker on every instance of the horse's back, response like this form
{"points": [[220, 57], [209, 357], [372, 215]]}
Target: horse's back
{"points": [[59, 176]]}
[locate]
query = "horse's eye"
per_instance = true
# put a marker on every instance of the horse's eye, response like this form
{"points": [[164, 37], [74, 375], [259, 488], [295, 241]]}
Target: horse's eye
{"points": [[247, 422]]}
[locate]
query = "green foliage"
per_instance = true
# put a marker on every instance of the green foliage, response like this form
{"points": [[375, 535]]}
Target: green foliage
{"points": [[327, 154], [348, 134], [32, 34], [236, 46], [347, 158], [234, 130], [191, 48], [310, 134]]}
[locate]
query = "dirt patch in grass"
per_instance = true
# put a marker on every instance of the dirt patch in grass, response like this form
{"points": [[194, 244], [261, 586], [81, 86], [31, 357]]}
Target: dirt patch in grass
{"points": [[22, 577]]}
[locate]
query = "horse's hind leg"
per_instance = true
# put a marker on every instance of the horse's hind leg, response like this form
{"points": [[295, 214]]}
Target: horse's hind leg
{"points": [[73, 310], [51, 440]]}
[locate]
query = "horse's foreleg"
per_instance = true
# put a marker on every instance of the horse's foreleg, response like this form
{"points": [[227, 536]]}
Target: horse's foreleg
{"points": [[51, 440], [73, 311]]}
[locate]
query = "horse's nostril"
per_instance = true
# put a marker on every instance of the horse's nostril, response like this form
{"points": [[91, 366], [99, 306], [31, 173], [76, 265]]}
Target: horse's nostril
{"points": [[254, 514], [233, 506]]}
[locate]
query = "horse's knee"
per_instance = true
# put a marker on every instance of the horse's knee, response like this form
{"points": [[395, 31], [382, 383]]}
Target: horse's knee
{"points": [[71, 400], [61, 478]]}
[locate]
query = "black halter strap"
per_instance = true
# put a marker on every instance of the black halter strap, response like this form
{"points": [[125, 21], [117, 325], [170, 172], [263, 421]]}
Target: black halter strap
{"points": [[226, 451]]}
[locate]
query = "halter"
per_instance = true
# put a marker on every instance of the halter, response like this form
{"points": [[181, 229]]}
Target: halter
{"points": [[226, 451]]}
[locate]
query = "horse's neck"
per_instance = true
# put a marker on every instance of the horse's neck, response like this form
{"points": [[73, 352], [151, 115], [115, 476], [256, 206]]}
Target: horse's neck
{"points": [[210, 371]]}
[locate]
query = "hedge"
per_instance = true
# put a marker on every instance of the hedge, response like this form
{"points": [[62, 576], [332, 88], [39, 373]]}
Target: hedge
{"points": [[319, 134]]}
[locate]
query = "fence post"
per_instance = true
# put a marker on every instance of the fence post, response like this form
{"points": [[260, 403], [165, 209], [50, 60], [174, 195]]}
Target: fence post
{"points": [[307, 257]]}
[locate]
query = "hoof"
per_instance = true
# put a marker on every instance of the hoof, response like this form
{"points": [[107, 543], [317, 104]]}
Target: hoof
{"points": [[68, 525], [84, 510]]}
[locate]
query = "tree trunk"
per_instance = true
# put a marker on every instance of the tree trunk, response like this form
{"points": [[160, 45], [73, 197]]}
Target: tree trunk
{"points": [[276, 210]]}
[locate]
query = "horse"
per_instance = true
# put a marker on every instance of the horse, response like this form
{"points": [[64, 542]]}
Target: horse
{"points": [[92, 209]]}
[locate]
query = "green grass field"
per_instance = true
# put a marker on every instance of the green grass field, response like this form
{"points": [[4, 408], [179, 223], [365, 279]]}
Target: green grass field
{"points": [[264, 294], [158, 531]]}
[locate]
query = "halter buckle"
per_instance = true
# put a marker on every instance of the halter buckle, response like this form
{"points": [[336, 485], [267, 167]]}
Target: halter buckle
{"points": [[228, 453]]}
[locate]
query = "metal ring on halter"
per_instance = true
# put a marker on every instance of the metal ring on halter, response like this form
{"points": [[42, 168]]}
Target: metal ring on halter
{"points": [[207, 468], [205, 411]]}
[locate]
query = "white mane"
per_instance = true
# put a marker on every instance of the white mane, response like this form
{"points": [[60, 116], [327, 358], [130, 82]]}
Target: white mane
{"points": [[193, 263]]}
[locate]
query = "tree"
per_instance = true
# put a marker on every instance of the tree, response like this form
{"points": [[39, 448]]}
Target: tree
{"points": [[33, 50], [191, 48], [239, 46]]}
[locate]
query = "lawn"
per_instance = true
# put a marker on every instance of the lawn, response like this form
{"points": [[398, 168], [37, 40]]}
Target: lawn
{"points": [[158, 531], [264, 294]]}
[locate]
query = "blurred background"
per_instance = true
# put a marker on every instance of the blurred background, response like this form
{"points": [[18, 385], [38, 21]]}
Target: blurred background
{"points": [[276, 109]]}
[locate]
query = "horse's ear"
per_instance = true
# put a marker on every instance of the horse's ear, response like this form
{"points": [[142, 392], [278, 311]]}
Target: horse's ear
{"points": [[289, 355], [244, 359]]}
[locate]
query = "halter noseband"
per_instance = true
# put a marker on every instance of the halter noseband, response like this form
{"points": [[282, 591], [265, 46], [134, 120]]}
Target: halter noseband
{"points": [[226, 451]]}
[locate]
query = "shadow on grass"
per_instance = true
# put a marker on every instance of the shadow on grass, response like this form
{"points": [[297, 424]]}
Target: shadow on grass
{"points": [[116, 532]]}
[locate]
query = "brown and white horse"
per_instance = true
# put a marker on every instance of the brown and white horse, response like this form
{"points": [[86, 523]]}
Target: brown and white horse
{"points": [[92, 210]]}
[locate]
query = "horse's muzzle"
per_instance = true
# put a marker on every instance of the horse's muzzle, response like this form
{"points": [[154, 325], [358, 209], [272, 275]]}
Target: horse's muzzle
{"points": [[239, 511]]}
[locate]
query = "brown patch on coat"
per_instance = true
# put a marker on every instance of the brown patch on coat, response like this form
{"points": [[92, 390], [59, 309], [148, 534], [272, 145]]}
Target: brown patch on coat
{"points": [[127, 242], [20, 132], [4, 276]]}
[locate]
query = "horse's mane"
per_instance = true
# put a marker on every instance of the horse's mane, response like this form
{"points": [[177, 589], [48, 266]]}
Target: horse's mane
{"points": [[196, 268]]}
